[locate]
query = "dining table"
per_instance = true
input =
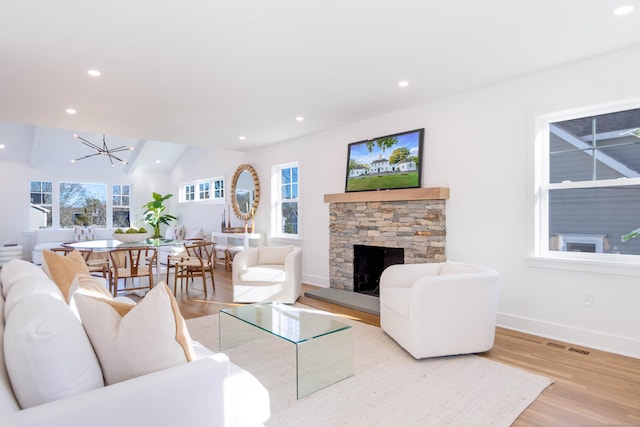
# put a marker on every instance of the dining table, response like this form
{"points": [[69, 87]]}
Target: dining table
{"points": [[110, 244]]}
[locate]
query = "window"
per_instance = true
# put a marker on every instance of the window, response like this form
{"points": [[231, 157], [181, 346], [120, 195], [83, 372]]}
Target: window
{"points": [[66, 204], [200, 191], [218, 188], [204, 190], [286, 194], [189, 191], [589, 185], [83, 204], [121, 205], [41, 204]]}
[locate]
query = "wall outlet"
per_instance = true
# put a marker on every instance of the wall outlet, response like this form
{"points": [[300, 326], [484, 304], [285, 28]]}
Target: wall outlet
{"points": [[587, 299]]}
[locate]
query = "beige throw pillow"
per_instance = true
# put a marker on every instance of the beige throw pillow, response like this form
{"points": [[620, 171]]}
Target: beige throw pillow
{"points": [[135, 340], [63, 269]]}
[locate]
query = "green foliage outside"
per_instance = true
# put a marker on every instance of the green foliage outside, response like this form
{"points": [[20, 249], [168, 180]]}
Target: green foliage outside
{"points": [[364, 183]]}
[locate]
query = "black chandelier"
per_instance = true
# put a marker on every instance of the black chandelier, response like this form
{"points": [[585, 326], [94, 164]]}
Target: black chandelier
{"points": [[103, 151]]}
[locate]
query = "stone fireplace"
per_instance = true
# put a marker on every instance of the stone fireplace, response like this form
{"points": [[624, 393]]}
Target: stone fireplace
{"points": [[412, 219]]}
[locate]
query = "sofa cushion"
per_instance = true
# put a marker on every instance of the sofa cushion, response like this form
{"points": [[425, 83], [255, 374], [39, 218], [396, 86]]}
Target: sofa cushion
{"points": [[81, 234], [27, 286], [16, 269], [47, 352], [263, 274], [135, 340], [8, 401], [63, 269], [273, 254], [193, 233]]}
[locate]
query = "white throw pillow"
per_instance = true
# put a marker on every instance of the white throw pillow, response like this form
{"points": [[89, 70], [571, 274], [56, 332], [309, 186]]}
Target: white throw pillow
{"points": [[47, 352], [135, 340], [193, 233], [174, 232], [15, 270], [28, 286], [8, 403], [273, 255], [81, 234]]}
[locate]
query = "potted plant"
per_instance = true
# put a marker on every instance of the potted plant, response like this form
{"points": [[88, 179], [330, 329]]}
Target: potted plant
{"points": [[153, 213]]}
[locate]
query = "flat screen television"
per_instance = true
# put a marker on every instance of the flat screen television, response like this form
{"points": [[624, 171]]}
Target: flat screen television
{"points": [[385, 163]]}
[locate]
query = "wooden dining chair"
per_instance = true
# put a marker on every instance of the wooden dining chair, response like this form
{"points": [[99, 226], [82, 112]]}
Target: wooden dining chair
{"points": [[198, 262], [131, 263]]}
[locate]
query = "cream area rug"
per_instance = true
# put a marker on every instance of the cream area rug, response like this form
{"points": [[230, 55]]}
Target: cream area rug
{"points": [[388, 388]]}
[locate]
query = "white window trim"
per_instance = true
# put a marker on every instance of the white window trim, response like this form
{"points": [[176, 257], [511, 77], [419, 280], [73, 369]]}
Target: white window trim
{"points": [[275, 235], [196, 189], [55, 202], [538, 254]]}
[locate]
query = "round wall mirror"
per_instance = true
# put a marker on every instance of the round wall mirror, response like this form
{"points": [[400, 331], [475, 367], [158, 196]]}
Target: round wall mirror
{"points": [[245, 192]]}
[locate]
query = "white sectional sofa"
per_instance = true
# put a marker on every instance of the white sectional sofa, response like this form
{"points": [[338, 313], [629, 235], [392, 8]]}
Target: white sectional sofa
{"points": [[49, 238], [57, 359]]}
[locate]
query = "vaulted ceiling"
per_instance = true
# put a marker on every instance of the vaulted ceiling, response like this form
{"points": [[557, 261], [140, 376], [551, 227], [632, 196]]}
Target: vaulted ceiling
{"points": [[207, 72]]}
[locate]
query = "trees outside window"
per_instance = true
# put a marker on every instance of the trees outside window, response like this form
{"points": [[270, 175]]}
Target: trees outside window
{"points": [[83, 204]]}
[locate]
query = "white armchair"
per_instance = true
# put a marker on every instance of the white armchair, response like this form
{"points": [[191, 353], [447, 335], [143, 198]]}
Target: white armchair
{"points": [[268, 273], [439, 309]]}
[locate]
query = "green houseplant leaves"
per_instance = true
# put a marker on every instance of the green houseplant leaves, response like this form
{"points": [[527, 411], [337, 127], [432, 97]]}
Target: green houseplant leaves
{"points": [[153, 214]]}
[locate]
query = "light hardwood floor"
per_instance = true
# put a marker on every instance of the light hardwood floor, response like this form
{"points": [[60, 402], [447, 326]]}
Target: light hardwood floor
{"points": [[591, 388]]}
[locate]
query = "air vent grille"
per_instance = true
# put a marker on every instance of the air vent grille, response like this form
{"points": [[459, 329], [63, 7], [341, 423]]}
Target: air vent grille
{"points": [[579, 351]]}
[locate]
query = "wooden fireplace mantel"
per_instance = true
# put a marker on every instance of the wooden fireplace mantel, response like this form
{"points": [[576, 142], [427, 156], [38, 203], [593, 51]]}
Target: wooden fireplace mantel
{"points": [[434, 193]]}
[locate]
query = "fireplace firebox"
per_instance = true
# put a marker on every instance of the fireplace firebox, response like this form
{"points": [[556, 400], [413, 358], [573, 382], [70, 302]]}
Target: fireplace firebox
{"points": [[368, 264]]}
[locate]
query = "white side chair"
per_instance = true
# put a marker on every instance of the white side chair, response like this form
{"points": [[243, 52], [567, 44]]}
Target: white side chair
{"points": [[439, 309], [267, 273]]}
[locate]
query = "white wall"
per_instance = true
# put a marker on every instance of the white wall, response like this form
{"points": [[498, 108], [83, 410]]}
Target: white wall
{"points": [[479, 144], [200, 163]]}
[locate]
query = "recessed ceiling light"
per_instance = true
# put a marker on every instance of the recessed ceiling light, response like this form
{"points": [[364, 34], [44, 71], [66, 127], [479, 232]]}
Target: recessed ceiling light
{"points": [[403, 83], [1, 146], [623, 10], [242, 138], [299, 118], [70, 111], [94, 73], [157, 161]]}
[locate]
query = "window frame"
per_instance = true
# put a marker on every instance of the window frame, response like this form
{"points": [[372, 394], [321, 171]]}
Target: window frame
{"points": [[211, 194], [55, 205], [276, 202], [538, 251], [112, 208]]}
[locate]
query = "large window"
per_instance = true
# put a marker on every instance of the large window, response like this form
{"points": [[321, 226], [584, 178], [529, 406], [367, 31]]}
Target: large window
{"points": [[83, 204], [41, 204], [66, 204], [589, 185], [211, 189], [286, 199]]}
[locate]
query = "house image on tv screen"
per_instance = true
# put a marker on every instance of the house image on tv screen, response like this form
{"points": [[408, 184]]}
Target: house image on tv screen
{"points": [[389, 162]]}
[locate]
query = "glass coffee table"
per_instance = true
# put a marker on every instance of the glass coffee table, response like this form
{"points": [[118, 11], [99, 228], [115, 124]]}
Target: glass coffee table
{"points": [[323, 345]]}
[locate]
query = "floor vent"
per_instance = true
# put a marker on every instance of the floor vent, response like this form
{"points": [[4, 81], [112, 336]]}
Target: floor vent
{"points": [[579, 351], [556, 345]]}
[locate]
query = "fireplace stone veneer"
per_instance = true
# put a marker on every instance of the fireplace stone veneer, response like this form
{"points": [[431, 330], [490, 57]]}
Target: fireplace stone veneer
{"points": [[417, 226]]}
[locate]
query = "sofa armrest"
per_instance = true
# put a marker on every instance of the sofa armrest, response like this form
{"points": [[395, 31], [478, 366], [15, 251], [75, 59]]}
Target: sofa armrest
{"points": [[244, 259], [191, 394]]}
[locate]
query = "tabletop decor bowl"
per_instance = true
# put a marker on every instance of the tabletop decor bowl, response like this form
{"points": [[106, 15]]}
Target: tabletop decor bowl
{"points": [[131, 237]]}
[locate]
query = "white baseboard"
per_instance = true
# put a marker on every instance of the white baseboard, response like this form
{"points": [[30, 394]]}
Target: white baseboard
{"points": [[624, 346], [323, 282]]}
